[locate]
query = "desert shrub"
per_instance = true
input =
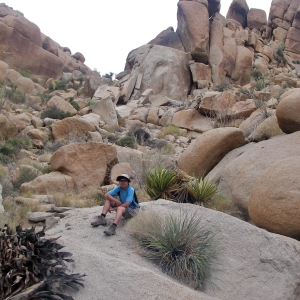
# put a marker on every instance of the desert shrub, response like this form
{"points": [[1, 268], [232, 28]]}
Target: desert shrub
{"points": [[61, 85], [11, 147], [16, 96], [2, 97], [54, 113], [25, 73], [141, 135], [127, 141], [168, 149], [170, 129], [45, 97], [83, 71], [108, 75], [159, 181], [66, 70], [174, 184], [260, 84], [46, 169], [201, 189], [223, 87], [75, 105], [178, 244], [26, 175], [257, 75], [3, 172], [246, 92], [35, 267]]}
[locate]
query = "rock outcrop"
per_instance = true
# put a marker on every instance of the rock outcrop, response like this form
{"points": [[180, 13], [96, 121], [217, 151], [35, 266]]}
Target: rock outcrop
{"points": [[274, 203]]}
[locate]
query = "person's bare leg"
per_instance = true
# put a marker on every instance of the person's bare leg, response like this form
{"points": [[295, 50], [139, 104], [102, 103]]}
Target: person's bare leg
{"points": [[119, 213]]}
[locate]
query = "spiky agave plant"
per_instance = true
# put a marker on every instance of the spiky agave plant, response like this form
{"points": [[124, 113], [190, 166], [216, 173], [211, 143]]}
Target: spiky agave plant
{"points": [[158, 181], [184, 249], [201, 189]]}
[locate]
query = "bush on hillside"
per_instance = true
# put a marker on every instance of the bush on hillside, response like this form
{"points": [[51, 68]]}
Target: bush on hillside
{"points": [[127, 141], [54, 113], [25, 73], [182, 248]]}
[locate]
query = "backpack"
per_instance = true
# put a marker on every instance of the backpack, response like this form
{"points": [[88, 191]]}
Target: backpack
{"points": [[135, 199]]}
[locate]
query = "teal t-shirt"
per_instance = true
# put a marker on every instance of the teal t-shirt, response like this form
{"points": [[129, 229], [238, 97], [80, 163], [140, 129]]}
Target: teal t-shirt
{"points": [[124, 195]]}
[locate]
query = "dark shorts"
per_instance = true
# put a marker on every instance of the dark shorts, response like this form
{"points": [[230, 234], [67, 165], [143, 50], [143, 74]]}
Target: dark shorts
{"points": [[129, 213]]}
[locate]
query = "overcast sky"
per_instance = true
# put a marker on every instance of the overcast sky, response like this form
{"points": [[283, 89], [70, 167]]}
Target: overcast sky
{"points": [[105, 31]]}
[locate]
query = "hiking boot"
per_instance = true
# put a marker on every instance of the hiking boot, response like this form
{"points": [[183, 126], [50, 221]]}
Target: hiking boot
{"points": [[111, 230], [100, 221]]}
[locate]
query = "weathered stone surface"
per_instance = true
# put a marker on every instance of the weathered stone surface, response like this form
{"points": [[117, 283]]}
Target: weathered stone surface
{"points": [[92, 118], [254, 254], [38, 134], [256, 18], [3, 69], [49, 183], [124, 111], [193, 29], [238, 11], [166, 70], [153, 115], [190, 119], [21, 46], [274, 203], [79, 56], [208, 149], [168, 38], [140, 114], [67, 96], [216, 173], [240, 175], [62, 105], [36, 217], [1, 206], [8, 128], [121, 168], [167, 117], [106, 110], [287, 112], [68, 127], [21, 120], [201, 72], [265, 130], [91, 83], [136, 160], [105, 90], [85, 163]]}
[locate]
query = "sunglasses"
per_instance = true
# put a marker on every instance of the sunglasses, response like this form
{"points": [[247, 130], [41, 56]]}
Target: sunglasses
{"points": [[123, 180]]}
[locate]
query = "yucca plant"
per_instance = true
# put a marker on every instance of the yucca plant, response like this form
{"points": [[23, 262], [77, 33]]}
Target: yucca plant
{"points": [[182, 248], [201, 189], [158, 181]]}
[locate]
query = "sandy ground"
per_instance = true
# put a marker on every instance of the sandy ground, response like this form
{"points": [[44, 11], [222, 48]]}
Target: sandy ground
{"points": [[113, 266]]}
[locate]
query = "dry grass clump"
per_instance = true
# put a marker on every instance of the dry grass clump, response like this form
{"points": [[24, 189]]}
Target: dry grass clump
{"points": [[170, 129], [178, 244], [88, 198], [16, 214]]}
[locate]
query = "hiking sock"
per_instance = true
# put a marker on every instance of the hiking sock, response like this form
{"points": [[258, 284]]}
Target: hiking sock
{"points": [[114, 224], [104, 215]]}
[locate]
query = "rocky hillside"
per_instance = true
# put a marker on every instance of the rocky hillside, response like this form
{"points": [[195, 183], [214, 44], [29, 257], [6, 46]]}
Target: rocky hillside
{"points": [[217, 97]]}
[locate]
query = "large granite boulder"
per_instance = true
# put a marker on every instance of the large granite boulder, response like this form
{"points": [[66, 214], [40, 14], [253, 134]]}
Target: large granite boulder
{"points": [[208, 149], [191, 119], [274, 203], [165, 70], [86, 163], [71, 127], [62, 105], [251, 263], [240, 175], [193, 29], [8, 128], [256, 18], [168, 38], [287, 111], [49, 183], [238, 11], [21, 45]]}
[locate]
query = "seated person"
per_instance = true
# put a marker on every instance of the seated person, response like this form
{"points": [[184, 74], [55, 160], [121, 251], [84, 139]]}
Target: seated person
{"points": [[124, 207]]}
